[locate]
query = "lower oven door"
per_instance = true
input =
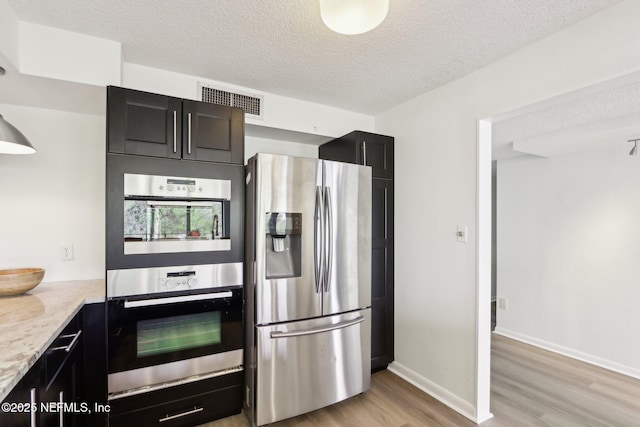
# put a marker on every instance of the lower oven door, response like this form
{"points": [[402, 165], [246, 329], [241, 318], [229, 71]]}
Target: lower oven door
{"points": [[160, 342]]}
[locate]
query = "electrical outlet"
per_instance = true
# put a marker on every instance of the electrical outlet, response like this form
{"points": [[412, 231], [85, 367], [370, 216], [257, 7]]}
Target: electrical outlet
{"points": [[503, 303], [66, 252], [461, 234]]}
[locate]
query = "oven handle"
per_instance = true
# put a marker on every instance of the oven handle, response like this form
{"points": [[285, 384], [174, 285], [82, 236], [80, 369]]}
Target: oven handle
{"points": [[171, 300], [176, 203]]}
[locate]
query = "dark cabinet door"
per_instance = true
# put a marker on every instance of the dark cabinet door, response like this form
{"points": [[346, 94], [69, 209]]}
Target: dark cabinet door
{"points": [[376, 151], [63, 389], [363, 148], [24, 401], [382, 273], [62, 377], [212, 132], [148, 124], [143, 123], [93, 377]]}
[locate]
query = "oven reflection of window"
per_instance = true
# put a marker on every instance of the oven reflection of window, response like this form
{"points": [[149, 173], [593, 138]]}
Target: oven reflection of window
{"points": [[145, 221], [175, 333]]}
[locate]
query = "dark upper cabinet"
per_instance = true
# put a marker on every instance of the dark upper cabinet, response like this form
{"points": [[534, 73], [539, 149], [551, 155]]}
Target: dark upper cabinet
{"points": [[212, 132], [149, 124], [376, 151], [363, 148]]}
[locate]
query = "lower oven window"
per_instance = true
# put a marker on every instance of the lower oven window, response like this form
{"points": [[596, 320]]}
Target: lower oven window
{"points": [[177, 333]]}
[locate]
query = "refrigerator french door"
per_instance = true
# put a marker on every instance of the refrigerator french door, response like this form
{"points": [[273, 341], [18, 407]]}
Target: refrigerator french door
{"points": [[308, 273]]}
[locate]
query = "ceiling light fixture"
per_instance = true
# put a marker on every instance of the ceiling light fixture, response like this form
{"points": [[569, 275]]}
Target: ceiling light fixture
{"points": [[12, 141], [634, 150], [353, 16]]}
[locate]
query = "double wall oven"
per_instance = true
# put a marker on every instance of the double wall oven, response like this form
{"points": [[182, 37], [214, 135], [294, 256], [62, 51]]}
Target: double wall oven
{"points": [[159, 338], [174, 285]]}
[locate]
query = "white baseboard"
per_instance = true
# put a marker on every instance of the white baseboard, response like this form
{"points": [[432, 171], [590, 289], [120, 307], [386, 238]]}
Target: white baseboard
{"points": [[569, 352], [453, 401]]}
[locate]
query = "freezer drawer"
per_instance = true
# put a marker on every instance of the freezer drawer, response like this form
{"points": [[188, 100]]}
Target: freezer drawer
{"points": [[306, 365]]}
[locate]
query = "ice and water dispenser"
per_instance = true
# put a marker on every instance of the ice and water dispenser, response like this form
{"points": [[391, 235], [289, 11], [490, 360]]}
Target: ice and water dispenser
{"points": [[284, 235]]}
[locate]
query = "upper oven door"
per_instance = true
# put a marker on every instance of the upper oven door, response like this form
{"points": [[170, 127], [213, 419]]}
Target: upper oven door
{"points": [[156, 331], [165, 212]]}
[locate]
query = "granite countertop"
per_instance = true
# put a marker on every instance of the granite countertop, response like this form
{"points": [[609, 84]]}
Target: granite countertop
{"points": [[30, 322]]}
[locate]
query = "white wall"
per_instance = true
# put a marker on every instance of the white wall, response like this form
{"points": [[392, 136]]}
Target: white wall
{"points": [[253, 145], [568, 246], [9, 34], [64, 55], [441, 333], [279, 112], [55, 196]]}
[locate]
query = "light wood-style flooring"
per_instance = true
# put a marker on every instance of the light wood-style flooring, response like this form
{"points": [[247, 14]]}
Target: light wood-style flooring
{"points": [[529, 387]]}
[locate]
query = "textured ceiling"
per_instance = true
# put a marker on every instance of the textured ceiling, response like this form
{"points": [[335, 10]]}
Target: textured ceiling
{"points": [[592, 107], [282, 47]]}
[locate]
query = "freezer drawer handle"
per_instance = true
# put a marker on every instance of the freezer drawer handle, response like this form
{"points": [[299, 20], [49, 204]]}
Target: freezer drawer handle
{"points": [[318, 330]]}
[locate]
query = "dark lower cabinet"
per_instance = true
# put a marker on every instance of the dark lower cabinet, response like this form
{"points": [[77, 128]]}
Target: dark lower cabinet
{"points": [[376, 151], [184, 405], [23, 401], [52, 388], [63, 387], [149, 124], [93, 381], [60, 393]]}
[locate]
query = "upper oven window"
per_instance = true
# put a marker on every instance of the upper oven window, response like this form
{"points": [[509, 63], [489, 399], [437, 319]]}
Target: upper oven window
{"points": [[149, 220]]}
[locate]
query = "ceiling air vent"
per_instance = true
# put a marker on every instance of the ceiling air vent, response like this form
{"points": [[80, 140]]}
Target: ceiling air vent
{"points": [[251, 104]]}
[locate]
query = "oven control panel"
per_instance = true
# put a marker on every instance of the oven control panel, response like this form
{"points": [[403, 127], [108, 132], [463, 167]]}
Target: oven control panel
{"points": [[136, 185], [149, 281], [179, 281]]}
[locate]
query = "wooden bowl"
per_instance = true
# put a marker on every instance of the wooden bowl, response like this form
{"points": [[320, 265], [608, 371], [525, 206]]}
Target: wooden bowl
{"points": [[19, 280]]}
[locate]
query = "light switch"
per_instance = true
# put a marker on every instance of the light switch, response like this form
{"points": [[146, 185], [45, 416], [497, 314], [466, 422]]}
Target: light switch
{"points": [[461, 234]]}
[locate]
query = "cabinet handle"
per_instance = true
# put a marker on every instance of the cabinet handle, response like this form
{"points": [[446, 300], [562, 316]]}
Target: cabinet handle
{"points": [[182, 414], [61, 412], [364, 152], [34, 413], [72, 344], [189, 136], [175, 136]]}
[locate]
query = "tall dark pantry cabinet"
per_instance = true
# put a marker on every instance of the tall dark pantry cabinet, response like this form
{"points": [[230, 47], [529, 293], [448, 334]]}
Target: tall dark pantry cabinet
{"points": [[374, 150]]}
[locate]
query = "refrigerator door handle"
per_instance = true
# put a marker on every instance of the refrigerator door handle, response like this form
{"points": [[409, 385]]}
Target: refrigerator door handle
{"points": [[329, 239], [318, 239], [317, 330]]}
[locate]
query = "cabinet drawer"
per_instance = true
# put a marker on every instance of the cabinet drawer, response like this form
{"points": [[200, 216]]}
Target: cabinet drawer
{"points": [[189, 411]]}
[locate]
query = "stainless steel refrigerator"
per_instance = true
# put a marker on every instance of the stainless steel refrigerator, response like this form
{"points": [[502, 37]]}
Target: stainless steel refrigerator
{"points": [[308, 285]]}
